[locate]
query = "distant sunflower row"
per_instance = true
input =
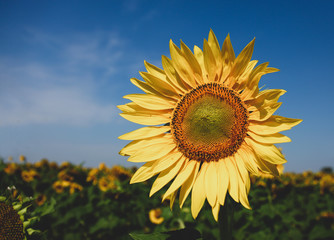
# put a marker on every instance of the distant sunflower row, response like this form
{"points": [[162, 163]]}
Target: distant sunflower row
{"points": [[67, 176]]}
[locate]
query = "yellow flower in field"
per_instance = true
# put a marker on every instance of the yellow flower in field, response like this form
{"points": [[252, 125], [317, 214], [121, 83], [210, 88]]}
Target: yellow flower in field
{"points": [[10, 158], [213, 124], [65, 165], [42, 163], [29, 176], [92, 175], [74, 187], [102, 167], [107, 183], [120, 172], [327, 183], [53, 165], [58, 186], [103, 184], [155, 216], [40, 200], [11, 168], [22, 158], [65, 184], [63, 175]]}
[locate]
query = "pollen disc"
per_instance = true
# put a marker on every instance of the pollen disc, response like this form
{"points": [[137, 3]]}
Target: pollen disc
{"points": [[209, 123]]}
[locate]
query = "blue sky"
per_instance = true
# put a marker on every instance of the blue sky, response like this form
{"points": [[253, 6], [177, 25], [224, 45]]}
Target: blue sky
{"points": [[65, 65]]}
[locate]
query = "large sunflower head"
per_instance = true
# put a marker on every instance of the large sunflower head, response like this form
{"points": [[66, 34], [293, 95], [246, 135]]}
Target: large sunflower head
{"points": [[209, 125], [14, 224]]}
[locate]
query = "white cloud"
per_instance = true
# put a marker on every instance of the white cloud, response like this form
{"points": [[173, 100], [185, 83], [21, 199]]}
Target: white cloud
{"points": [[58, 105], [58, 80]]}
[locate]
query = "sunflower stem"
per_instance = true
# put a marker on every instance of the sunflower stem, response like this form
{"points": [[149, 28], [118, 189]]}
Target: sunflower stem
{"points": [[225, 219]]}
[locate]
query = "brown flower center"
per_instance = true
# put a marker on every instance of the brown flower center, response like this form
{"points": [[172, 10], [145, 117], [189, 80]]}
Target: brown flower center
{"points": [[209, 123], [11, 226]]}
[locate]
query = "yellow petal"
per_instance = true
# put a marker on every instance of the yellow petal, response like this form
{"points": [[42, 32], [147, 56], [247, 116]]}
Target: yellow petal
{"points": [[166, 176], [166, 161], [188, 184], [200, 59], [267, 152], [211, 182], [198, 192], [181, 65], [248, 157], [228, 57], [215, 211], [267, 167], [195, 66], [243, 59], [159, 73], [267, 96], [153, 152], [145, 132], [150, 101], [132, 107], [181, 178], [149, 89], [143, 173], [172, 199], [209, 62], [147, 119], [173, 76], [272, 125], [233, 187], [240, 165], [242, 80], [263, 113], [132, 147], [223, 181], [252, 88], [269, 139], [162, 86], [215, 48], [243, 196]]}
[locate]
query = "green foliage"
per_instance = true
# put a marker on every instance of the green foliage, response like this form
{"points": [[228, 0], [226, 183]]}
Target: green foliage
{"points": [[185, 233], [72, 202]]}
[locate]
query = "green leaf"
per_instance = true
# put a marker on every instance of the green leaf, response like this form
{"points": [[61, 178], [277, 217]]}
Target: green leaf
{"points": [[186, 233]]}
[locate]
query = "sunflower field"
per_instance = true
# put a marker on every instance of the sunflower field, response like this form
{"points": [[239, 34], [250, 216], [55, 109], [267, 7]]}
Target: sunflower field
{"points": [[74, 202]]}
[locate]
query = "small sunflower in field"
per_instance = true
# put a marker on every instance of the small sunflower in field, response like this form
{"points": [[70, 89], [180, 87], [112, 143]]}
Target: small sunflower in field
{"points": [[58, 187], [93, 176], [29, 175], [75, 187], [120, 172], [40, 199], [212, 125], [155, 216], [22, 158], [42, 163], [11, 168], [107, 183]]}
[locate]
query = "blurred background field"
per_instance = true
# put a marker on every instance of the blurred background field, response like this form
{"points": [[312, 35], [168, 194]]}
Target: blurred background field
{"points": [[75, 202]]}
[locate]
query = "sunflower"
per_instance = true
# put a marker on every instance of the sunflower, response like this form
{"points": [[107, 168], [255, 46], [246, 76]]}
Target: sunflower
{"points": [[209, 124], [14, 224], [155, 216]]}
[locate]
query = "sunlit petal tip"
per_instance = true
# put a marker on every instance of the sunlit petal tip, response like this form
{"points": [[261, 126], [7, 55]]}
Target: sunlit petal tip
{"points": [[122, 153]]}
